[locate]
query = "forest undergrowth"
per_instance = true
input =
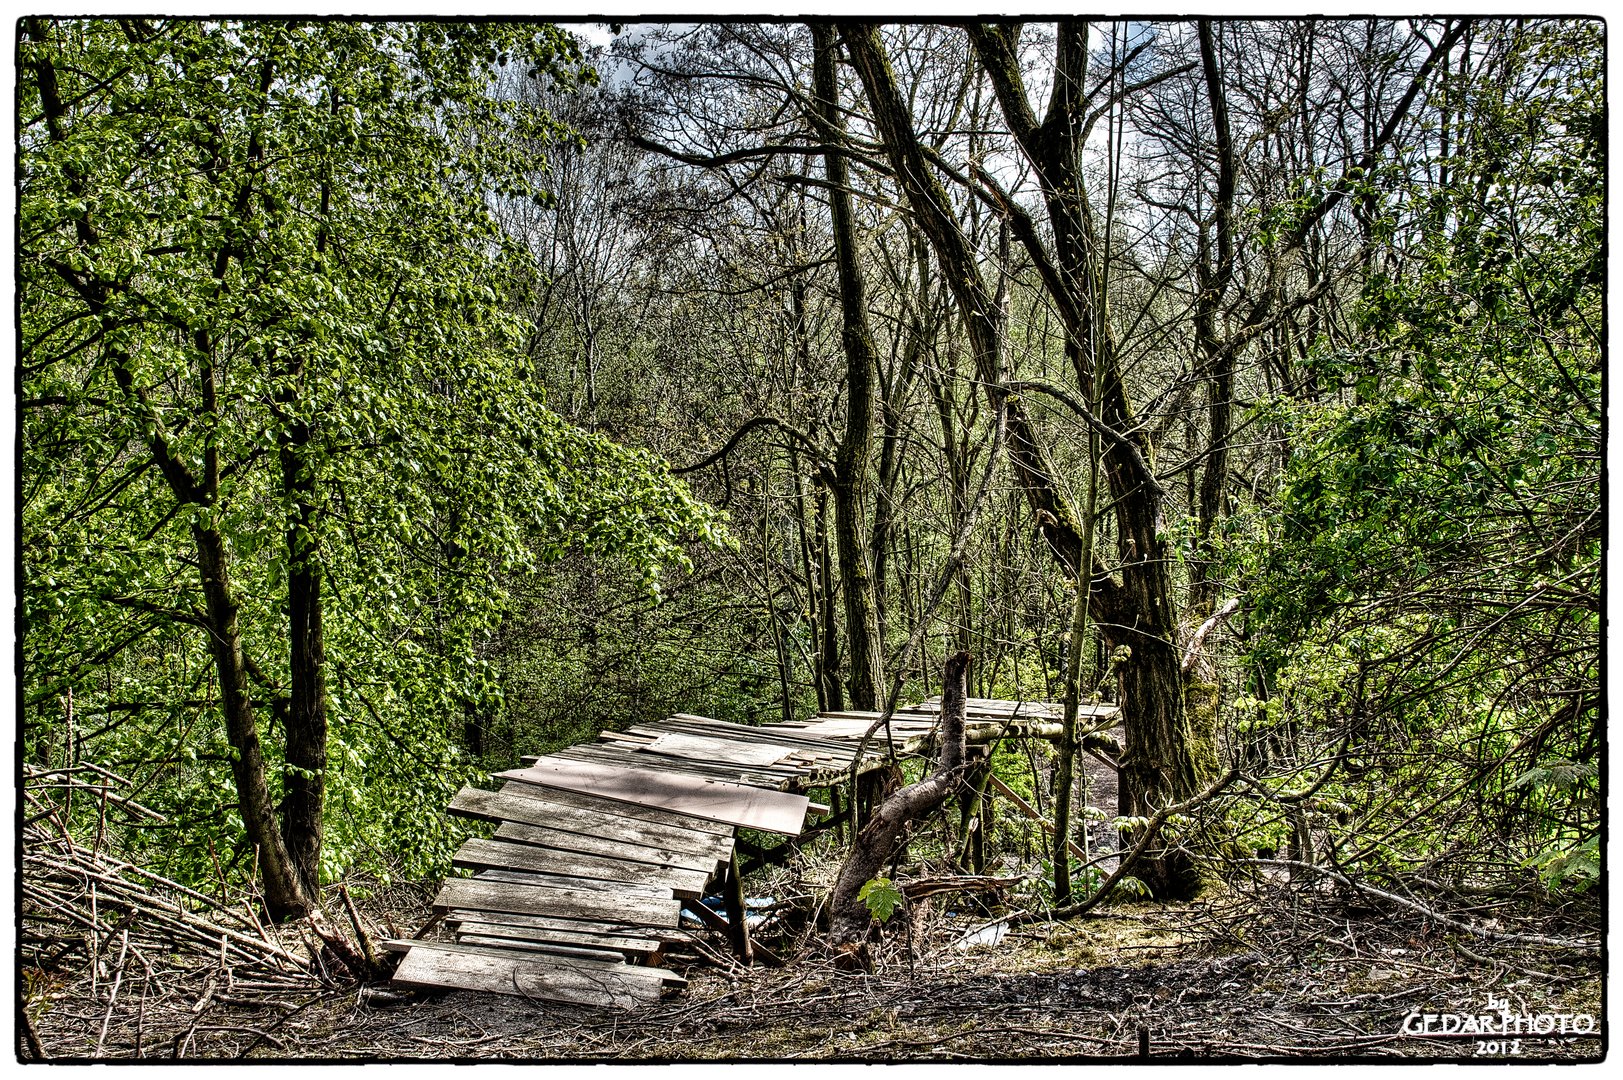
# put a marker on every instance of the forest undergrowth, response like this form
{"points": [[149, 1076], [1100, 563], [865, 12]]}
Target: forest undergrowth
{"points": [[1262, 969]]}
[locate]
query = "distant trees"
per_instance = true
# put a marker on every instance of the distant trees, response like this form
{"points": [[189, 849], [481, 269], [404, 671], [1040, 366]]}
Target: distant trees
{"points": [[1177, 295]]}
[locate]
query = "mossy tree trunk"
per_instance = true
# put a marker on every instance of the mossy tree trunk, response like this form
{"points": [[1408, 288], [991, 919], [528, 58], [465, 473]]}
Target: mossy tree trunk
{"points": [[852, 456]]}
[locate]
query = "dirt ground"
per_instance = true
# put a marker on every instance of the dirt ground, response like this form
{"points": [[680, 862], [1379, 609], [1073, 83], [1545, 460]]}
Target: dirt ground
{"points": [[1246, 975]]}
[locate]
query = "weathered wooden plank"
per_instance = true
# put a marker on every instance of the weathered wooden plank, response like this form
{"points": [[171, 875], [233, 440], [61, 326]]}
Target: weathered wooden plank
{"points": [[561, 881], [768, 773], [530, 805], [736, 804], [629, 738], [521, 782], [502, 855], [843, 728], [553, 922], [624, 754], [651, 854], [810, 758], [1023, 710], [767, 732], [541, 949], [619, 757], [707, 748], [522, 976], [569, 903], [500, 933], [612, 964]]}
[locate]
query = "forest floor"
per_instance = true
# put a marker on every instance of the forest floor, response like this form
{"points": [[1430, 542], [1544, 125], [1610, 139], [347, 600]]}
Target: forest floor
{"points": [[1272, 975]]}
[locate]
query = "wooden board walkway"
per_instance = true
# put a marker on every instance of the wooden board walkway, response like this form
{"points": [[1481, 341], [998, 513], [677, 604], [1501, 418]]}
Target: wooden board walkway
{"points": [[597, 848]]}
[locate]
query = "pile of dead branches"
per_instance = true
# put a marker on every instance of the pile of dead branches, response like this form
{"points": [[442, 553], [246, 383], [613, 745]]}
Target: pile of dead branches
{"points": [[95, 922], [81, 902]]}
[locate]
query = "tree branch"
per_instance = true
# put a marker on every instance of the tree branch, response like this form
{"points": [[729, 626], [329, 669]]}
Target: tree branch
{"points": [[1150, 830], [824, 471], [1115, 437], [1366, 162], [1197, 641], [755, 153]]}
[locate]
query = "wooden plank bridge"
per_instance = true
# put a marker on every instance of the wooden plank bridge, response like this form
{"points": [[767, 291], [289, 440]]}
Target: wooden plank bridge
{"points": [[600, 847]]}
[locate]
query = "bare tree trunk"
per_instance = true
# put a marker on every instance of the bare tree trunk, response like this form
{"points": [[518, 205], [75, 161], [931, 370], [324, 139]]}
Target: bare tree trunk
{"points": [[1216, 357], [851, 457], [284, 896], [886, 830], [828, 653], [306, 748]]}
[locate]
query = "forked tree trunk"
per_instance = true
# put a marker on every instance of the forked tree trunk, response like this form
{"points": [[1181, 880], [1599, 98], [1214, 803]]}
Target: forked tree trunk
{"points": [[886, 830], [1163, 757]]}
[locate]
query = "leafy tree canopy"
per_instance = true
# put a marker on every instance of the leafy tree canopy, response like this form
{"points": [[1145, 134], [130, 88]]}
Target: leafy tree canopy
{"points": [[264, 296]]}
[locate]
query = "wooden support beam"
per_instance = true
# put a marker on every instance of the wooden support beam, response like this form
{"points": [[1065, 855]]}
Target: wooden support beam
{"points": [[738, 930], [1031, 812], [974, 811]]}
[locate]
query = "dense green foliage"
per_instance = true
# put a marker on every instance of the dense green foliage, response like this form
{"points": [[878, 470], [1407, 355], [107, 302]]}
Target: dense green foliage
{"points": [[268, 248], [1428, 589]]}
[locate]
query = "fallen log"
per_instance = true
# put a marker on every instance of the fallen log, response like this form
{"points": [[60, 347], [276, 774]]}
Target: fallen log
{"points": [[919, 888]]}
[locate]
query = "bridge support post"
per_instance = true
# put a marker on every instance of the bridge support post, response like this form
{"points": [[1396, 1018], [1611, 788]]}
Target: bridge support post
{"points": [[738, 930], [974, 809]]}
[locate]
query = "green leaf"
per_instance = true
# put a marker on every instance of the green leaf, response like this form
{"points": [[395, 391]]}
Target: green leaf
{"points": [[881, 896]]}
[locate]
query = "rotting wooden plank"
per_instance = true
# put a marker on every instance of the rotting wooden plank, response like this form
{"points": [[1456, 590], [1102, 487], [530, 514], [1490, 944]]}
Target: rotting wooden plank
{"points": [[721, 762], [772, 733], [623, 754], [736, 804], [767, 732], [553, 922], [721, 771], [802, 756], [652, 855], [503, 855], [598, 963], [806, 748], [838, 727], [1024, 710], [521, 976], [624, 738], [799, 760], [531, 805], [521, 782], [561, 881], [865, 720], [616, 943], [539, 949], [619, 967], [569, 903], [527, 804], [706, 748]]}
